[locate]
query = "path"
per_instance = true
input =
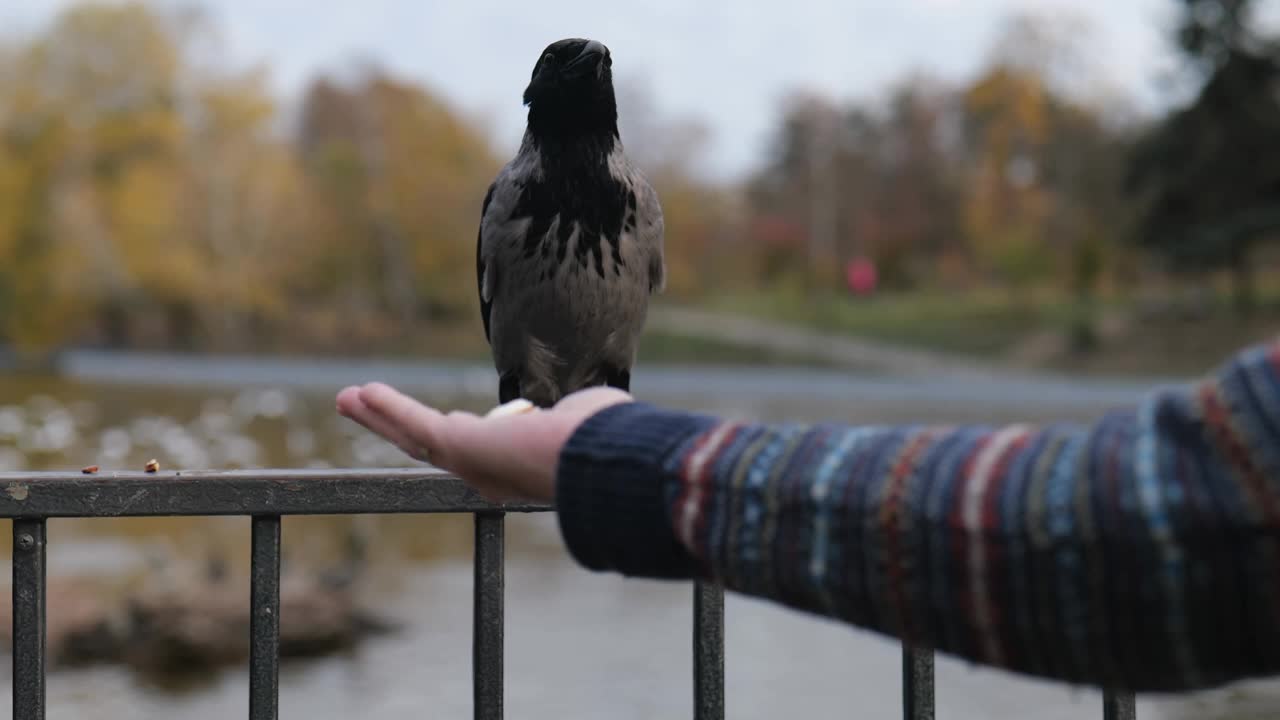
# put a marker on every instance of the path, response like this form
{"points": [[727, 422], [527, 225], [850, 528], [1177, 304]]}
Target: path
{"points": [[854, 353]]}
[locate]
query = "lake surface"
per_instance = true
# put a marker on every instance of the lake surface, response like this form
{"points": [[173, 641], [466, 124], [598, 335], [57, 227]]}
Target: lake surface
{"points": [[578, 644]]}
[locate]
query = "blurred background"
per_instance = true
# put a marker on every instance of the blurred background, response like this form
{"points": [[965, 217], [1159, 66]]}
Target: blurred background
{"points": [[214, 215]]}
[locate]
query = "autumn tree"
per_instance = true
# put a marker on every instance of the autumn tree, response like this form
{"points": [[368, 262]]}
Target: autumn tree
{"points": [[1011, 178], [147, 196], [150, 192], [398, 175], [90, 126], [700, 252], [245, 206], [139, 185], [908, 215], [783, 197], [1045, 141]]}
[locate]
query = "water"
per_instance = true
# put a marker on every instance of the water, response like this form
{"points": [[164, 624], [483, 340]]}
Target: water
{"points": [[578, 644]]}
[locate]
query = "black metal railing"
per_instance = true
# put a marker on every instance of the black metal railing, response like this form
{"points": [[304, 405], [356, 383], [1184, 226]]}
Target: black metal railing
{"points": [[29, 499]]}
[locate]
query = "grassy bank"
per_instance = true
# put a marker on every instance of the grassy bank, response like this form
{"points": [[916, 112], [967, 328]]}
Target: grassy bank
{"points": [[1151, 335], [978, 325]]}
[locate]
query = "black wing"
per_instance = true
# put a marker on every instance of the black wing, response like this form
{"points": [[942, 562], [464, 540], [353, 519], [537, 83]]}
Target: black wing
{"points": [[485, 305]]}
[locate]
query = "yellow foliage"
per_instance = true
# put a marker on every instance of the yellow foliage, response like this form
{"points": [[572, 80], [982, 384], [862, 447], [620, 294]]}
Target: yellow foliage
{"points": [[1007, 205], [147, 225], [10, 204], [685, 217], [1011, 107], [130, 179]]}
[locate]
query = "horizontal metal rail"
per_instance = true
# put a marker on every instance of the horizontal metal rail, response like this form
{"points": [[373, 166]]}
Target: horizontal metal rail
{"points": [[267, 495], [242, 492]]}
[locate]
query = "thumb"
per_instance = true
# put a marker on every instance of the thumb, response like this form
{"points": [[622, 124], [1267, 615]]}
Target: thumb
{"points": [[591, 400]]}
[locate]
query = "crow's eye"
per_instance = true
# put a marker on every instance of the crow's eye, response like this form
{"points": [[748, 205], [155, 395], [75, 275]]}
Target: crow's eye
{"points": [[548, 58]]}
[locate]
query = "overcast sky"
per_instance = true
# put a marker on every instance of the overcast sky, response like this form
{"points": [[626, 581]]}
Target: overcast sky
{"points": [[725, 62]]}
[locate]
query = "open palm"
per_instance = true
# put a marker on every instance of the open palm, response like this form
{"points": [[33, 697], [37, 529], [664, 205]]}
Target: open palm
{"points": [[505, 457]]}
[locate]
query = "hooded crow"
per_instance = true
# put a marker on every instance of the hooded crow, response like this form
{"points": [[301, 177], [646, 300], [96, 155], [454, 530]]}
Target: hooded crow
{"points": [[570, 247]]}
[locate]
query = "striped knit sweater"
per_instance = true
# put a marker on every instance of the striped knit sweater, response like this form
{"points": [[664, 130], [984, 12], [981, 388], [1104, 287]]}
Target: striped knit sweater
{"points": [[1141, 552]]}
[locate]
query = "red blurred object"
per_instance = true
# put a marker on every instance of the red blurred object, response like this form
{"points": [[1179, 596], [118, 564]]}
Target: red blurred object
{"points": [[860, 274]]}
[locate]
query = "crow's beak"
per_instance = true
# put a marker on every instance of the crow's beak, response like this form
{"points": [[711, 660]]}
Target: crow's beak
{"points": [[589, 60]]}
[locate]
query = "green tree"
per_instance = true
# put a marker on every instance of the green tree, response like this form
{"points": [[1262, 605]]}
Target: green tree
{"points": [[1208, 175]]}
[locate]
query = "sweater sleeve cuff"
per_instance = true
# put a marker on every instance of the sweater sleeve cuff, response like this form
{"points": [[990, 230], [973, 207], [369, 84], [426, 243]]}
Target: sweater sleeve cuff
{"points": [[613, 491]]}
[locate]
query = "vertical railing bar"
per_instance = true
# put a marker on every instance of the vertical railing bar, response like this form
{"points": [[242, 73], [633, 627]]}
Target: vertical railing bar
{"points": [[487, 620], [917, 684], [1119, 706], [708, 651], [29, 621], [264, 619]]}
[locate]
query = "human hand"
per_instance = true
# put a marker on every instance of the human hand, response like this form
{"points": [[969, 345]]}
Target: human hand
{"points": [[504, 457]]}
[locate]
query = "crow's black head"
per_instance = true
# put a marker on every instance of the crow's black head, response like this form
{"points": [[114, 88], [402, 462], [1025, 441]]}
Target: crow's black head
{"points": [[571, 90]]}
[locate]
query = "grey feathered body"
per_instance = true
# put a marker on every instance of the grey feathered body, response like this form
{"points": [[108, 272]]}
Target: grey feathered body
{"points": [[570, 249]]}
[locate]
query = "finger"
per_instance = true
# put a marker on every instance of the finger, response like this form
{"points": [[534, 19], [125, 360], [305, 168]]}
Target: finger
{"points": [[348, 402], [352, 406], [492, 454], [356, 410], [423, 426]]}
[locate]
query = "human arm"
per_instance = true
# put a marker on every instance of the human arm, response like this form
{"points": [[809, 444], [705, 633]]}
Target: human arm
{"points": [[1138, 552]]}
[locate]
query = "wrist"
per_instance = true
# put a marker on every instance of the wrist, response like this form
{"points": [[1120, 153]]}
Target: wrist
{"points": [[612, 491]]}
